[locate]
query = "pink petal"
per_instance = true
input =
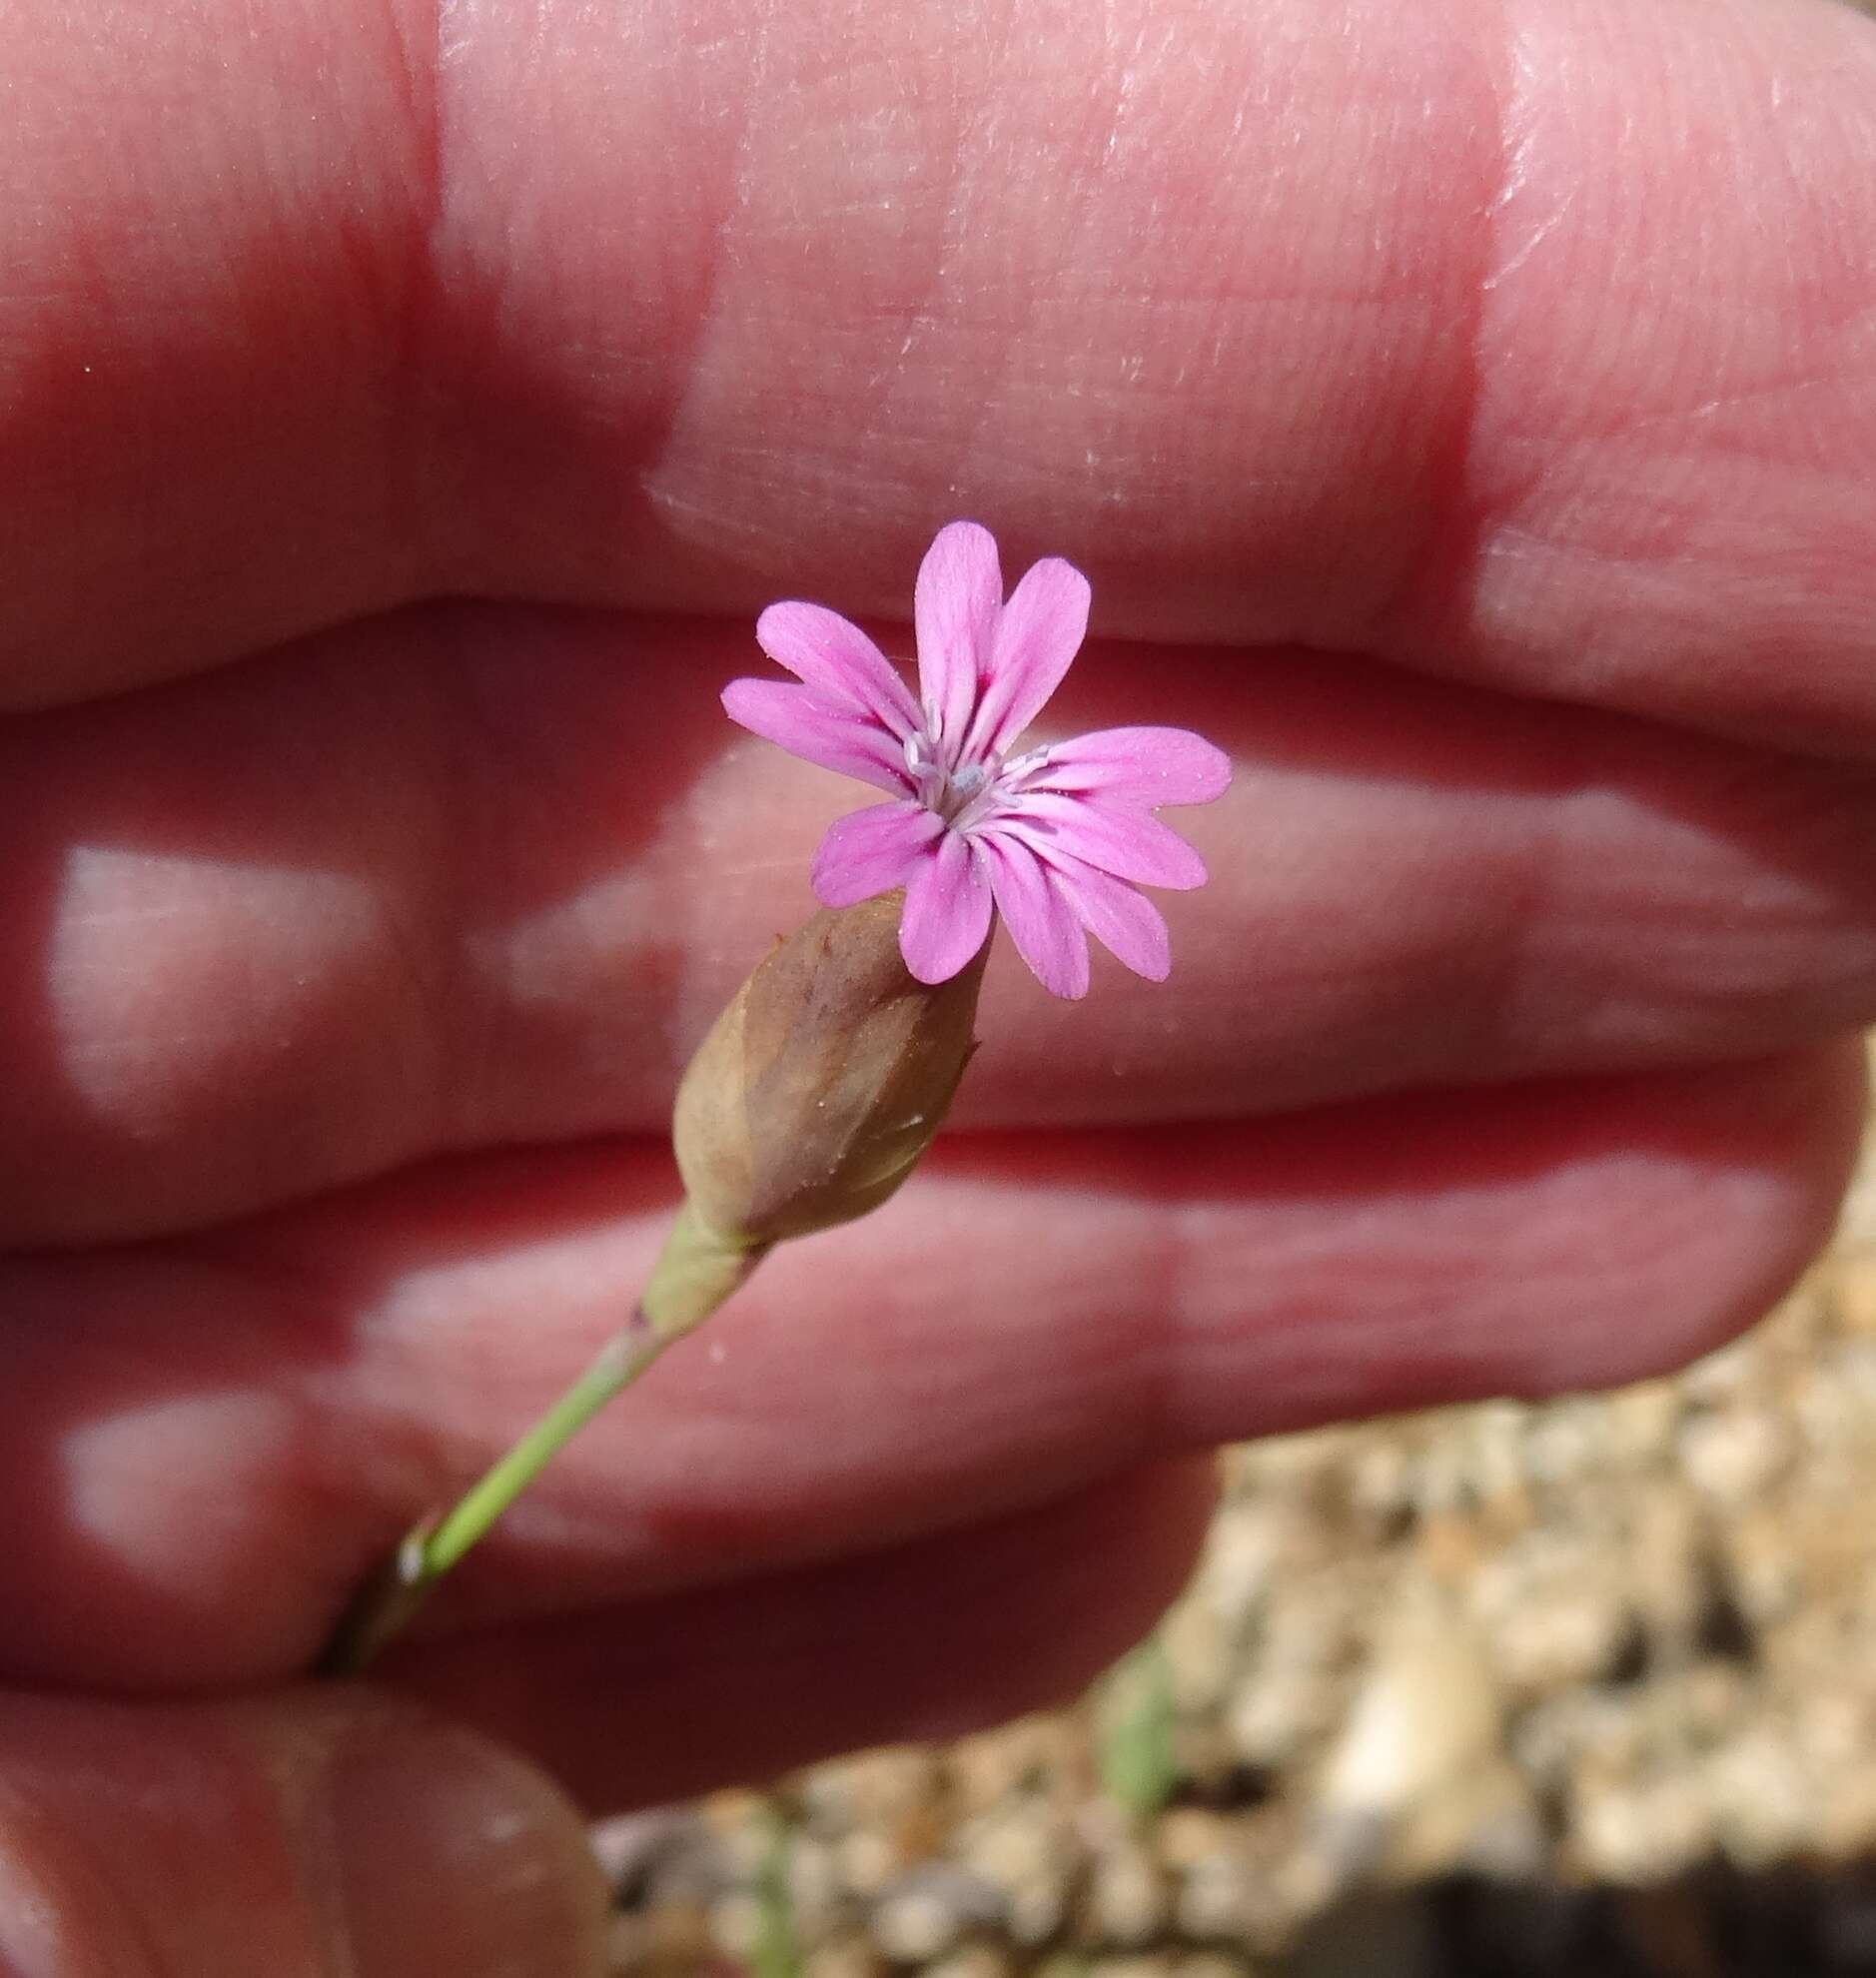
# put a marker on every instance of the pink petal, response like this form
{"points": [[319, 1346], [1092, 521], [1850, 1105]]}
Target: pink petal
{"points": [[1043, 925], [954, 607], [1038, 635], [1132, 844], [835, 737], [947, 910], [838, 661], [1125, 922], [871, 851], [1137, 765]]}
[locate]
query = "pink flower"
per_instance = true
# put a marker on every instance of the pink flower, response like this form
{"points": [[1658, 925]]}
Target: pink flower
{"points": [[1058, 837]]}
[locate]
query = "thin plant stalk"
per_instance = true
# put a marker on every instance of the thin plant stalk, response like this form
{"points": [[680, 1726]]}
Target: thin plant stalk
{"points": [[694, 1273]]}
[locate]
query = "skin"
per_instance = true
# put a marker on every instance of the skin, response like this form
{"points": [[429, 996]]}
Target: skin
{"points": [[1463, 413]]}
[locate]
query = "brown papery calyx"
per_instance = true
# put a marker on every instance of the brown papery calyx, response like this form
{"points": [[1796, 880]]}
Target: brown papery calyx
{"points": [[810, 1101]]}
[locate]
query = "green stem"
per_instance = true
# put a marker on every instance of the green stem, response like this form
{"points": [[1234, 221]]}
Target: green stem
{"points": [[695, 1272], [617, 1365]]}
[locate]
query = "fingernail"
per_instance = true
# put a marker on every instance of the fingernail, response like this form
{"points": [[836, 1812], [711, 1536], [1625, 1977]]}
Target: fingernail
{"points": [[454, 1857]]}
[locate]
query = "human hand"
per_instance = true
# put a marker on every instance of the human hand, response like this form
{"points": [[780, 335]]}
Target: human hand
{"points": [[1470, 426]]}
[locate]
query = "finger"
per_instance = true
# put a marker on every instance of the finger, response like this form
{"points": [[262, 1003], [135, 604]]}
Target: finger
{"points": [[468, 878], [1529, 344], [925, 1640], [306, 1837], [210, 404], [209, 1442]]}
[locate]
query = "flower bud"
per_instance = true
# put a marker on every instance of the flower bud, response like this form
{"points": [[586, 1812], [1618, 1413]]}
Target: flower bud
{"points": [[824, 1082]]}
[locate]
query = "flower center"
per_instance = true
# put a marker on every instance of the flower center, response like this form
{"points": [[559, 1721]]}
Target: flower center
{"points": [[953, 793]]}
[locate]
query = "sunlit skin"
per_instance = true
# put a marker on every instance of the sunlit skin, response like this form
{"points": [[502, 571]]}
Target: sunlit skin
{"points": [[1463, 415]]}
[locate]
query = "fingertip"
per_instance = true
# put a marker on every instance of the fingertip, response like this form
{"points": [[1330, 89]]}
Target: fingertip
{"points": [[929, 1639], [454, 1854], [304, 1833]]}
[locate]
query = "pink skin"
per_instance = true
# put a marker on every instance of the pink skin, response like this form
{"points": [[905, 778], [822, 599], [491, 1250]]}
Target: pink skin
{"points": [[1463, 415], [1054, 835]]}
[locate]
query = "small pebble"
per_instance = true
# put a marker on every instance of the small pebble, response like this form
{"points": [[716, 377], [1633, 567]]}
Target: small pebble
{"points": [[913, 1925]]}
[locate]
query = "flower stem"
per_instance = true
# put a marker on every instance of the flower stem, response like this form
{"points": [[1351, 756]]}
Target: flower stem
{"points": [[617, 1365], [695, 1272]]}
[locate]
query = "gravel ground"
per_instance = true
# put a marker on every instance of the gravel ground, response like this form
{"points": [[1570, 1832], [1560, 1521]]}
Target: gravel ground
{"points": [[1588, 1687]]}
